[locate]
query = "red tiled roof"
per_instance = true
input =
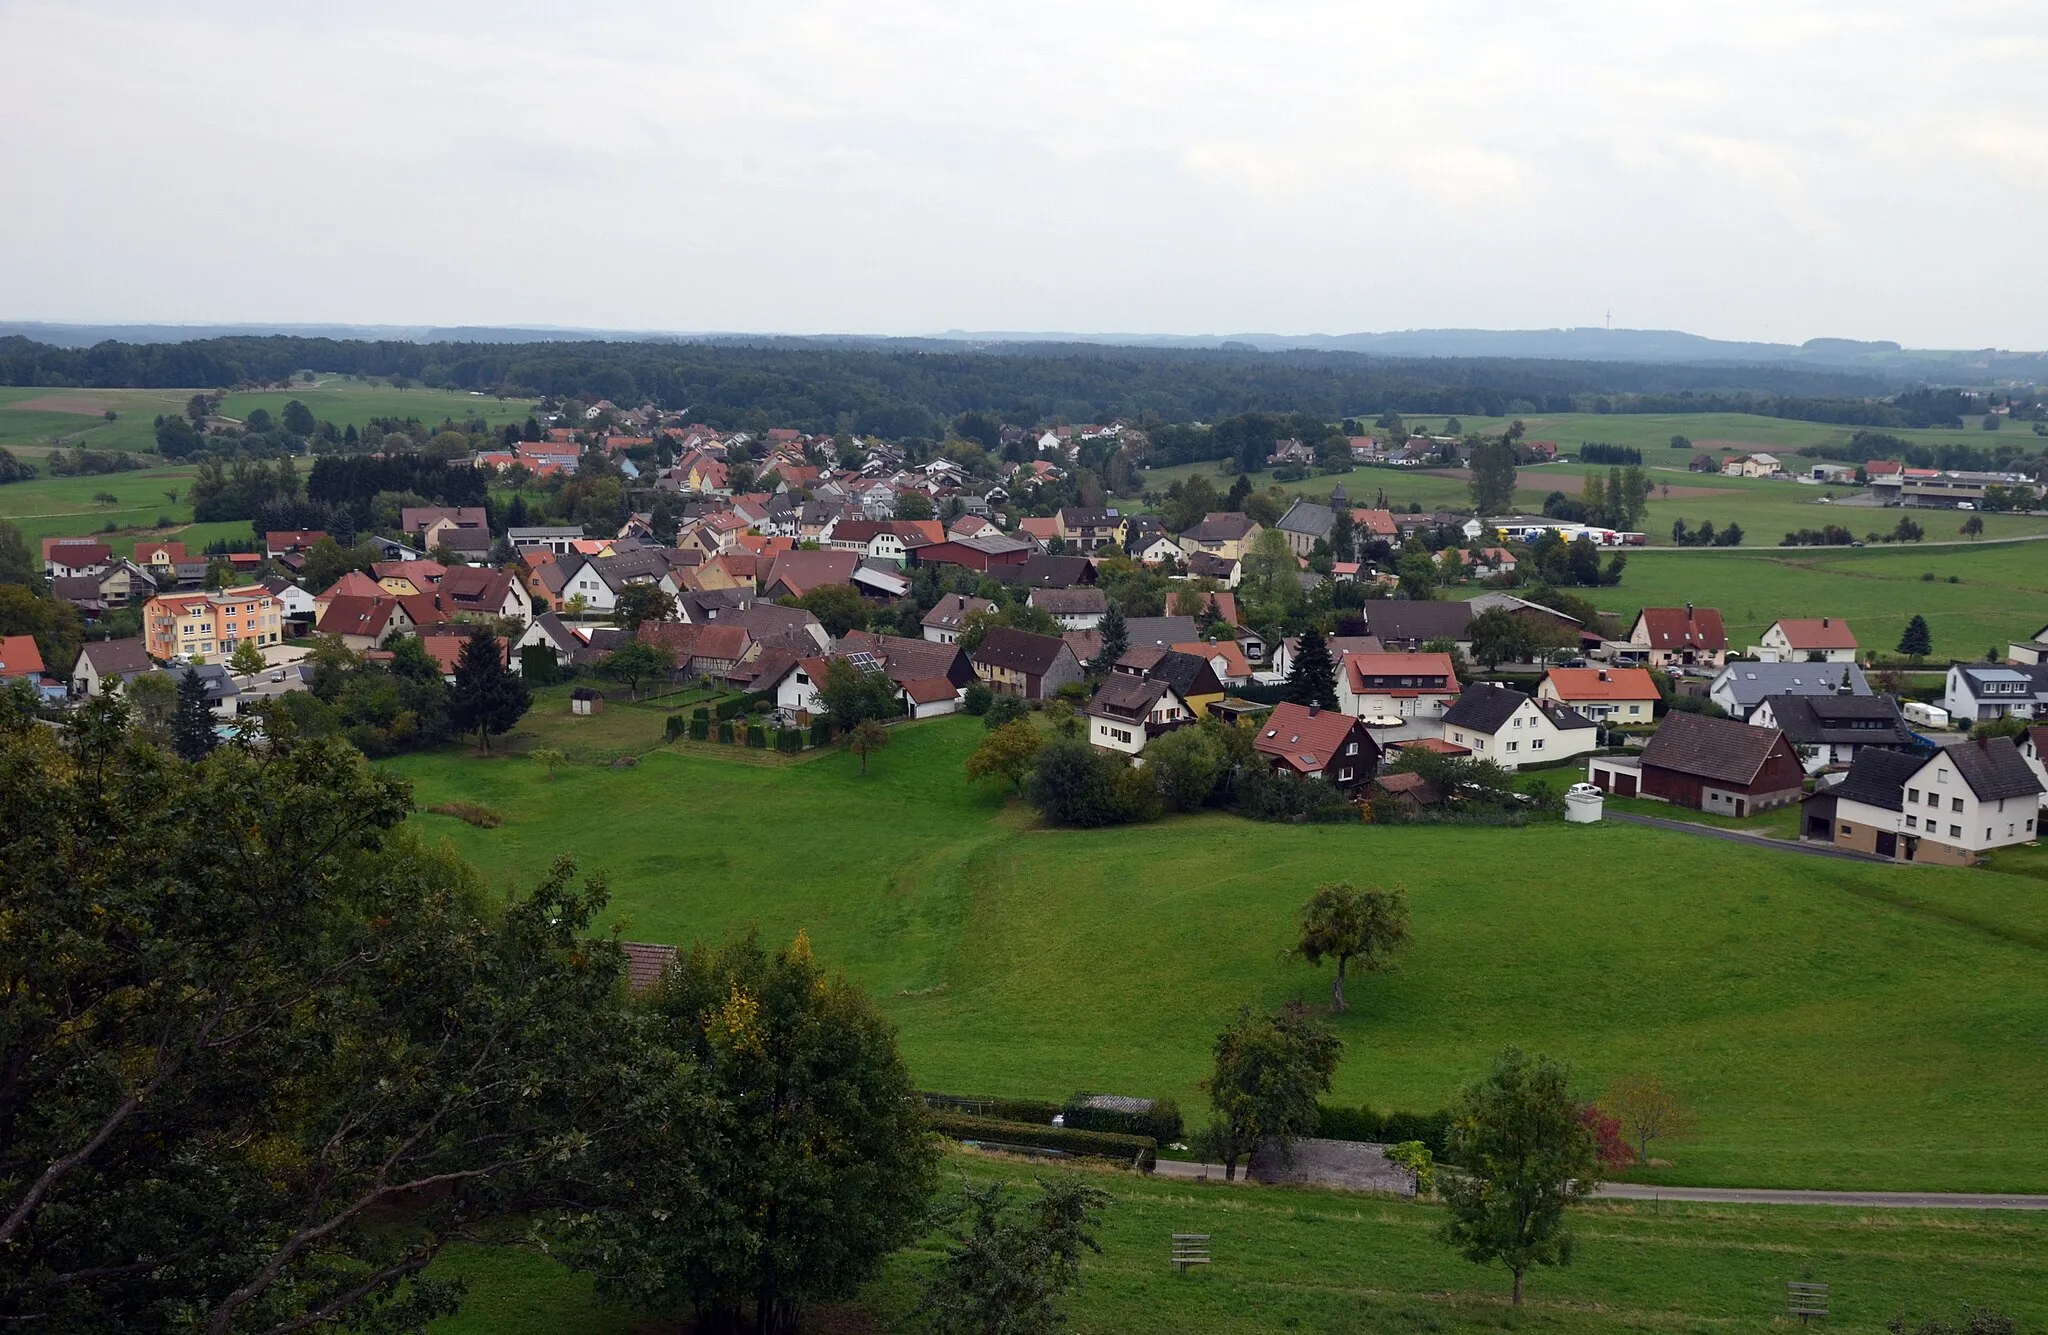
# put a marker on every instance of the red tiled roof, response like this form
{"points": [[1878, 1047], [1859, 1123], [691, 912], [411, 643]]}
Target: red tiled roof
{"points": [[1364, 668], [1684, 628], [1817, 632], [19, 656], [1572, 684], [1302, 738]]}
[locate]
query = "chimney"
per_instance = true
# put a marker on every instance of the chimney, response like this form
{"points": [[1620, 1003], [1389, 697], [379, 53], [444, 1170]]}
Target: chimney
{"points": [[1314, 710], [1823, 623], [1688, 611], [1603, 674]]}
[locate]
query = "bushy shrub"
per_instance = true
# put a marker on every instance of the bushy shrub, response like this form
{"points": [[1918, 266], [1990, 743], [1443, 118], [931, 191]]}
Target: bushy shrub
{"points": [[1003, 709], [978, 698], [674, 726], [484, 818], [757, 737], [725, 731], [1142, 1152], [1074, 783], [729, 709], [789, 741], [1365, 1124], [700, 728], [821, 731], [1161, 1122]]}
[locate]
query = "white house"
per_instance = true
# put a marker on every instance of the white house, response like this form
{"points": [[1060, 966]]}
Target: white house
{"points": [[1075, 609], [1807, 640], [1978, 692], [1129, 710], [1950, 808], [1416, 689], [1500, 724]]}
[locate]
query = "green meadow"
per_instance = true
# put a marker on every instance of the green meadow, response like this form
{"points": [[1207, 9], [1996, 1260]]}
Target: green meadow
{"points": [[1292, 1259], [1834, 1023], [64, 506], [2001, 593]]}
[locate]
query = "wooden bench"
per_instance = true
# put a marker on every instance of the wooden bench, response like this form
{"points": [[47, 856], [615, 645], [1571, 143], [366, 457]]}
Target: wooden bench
{"points": [[1190, 1249], [1806, 1300]]}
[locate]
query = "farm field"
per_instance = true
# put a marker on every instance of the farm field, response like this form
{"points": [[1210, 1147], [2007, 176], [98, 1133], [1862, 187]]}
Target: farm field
{"points": [[1835, 1023], [1766, 510], [1722, 433], [347, 401], [34, 421], [2002, 593], [64, 507], [1290, 1259]]}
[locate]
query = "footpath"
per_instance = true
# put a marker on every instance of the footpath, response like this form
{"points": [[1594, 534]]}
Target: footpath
{"points": [[1305, 1173]]}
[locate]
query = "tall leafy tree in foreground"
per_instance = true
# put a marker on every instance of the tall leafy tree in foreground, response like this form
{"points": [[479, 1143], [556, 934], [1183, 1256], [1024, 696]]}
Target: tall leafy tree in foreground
{"points": [[801, 1165], [266, 1053], [1527, 1155], [488, 698], [1269, 1070], [1312, 680], [1347, 925], [1006, 1270]]}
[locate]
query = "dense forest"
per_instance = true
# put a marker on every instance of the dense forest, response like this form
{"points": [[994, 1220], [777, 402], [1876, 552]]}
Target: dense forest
{"points": [[907, 388]]}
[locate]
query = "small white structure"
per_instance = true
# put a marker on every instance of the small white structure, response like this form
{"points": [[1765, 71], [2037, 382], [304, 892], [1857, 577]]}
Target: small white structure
{"points": [[1926, 715], [1582, 804]]}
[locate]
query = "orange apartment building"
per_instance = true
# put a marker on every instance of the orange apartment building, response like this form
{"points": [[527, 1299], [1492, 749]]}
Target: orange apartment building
{"points": [[210, 624]]}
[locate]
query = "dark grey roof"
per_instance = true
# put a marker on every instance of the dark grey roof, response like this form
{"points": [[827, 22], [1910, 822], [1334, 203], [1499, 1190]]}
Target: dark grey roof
{"points": [[1124, 696], [1397, 619], [1484, 707], [1710, 748], [1840, 720], [111, 658], [1041, 571], [1751, 684], [1070, 602], [1994, 768], [1020, 650], [1189, 675], [1877, 778], [1162, 630], [1309, 519]]}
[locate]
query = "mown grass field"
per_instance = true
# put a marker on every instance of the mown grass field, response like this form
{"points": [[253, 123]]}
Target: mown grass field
{"points": [[348, 401], [1835, 1023], [1723, 433], [63, 506], [2001, 594], [1292, 1260]]}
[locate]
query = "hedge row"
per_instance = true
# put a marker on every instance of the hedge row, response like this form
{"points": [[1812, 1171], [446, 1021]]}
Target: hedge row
{"points": [[1162, 1123], [1142, 1152], [1365, 1124], [985, 1105]]}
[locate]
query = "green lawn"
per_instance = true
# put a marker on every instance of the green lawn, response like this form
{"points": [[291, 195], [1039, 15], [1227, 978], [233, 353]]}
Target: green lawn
{"points": [[1837, 1024], [1289, 1260], [1724, 433], [63, 506], [31, 432], [348, 401], [2001, 593]]}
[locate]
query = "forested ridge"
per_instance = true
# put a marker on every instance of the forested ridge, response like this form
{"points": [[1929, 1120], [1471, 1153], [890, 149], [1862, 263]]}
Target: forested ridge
{"points": [[904, 388]]}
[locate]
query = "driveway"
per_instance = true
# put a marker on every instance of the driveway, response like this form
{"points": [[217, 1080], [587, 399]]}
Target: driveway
{"points": [[1749, 839]]}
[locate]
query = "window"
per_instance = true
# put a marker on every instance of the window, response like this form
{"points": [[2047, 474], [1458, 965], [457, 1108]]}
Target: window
{"points": [[1536, 744], [1344, 776], [1514, 746], [1941, 776], [1954, 831], [1913, 795], [1955, 804], [1934, 799], [1352, 749], [1912, 822], [1846, 829]]}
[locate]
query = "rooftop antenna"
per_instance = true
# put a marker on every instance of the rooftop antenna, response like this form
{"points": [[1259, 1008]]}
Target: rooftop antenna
{"points": [[1610, 319]]}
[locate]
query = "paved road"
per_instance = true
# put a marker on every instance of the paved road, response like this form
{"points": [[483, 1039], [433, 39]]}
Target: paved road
{"points": [[1890, 1200], [1634, 1191], [1747, 838]]}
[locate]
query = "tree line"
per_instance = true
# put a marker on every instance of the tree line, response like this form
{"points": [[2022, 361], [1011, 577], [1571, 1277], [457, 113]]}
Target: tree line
{"points": [[910, 388]]}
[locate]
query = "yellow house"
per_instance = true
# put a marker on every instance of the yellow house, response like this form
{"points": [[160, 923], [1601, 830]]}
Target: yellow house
{"points": [[1226, 534]]}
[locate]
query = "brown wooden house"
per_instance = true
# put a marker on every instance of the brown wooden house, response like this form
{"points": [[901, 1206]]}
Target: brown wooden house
{"points": [[1717, 764]]}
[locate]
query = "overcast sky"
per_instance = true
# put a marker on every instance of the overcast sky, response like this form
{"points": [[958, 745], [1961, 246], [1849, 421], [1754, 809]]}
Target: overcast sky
{"points": [[1777, 170]]}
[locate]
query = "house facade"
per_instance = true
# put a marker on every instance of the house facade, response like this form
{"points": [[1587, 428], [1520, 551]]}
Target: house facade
{"points": [[1981, 692], [1950, 808], [1679, 637], [1501, 724], [1129, 711], [1415, 688], [1830, 731], [1318, 743], [1619, 696], [208, 624], [1718, 764], [1017, 662], [1807, 640]]}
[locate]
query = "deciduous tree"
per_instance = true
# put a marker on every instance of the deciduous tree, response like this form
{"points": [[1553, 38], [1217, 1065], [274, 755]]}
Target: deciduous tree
{"points": [[1647, 1111], [1006, 1271], [1348, 925], [866, 738], [1269, 1071], [644, 602], [1526, 1157], [1007, 753], [636, 661]]}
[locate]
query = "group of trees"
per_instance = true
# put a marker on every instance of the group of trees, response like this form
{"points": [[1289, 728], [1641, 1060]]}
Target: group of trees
{"points": [[1706, 535], [405, 703], [268, 1054]]}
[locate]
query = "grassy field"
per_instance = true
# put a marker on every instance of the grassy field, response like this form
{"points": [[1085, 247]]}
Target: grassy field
{"points": [[1837, 1024], [2001, 593], [35, 421], [347, 401], [63, 506], [1718, 433], [1290, 1260], [1766, 510]]}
